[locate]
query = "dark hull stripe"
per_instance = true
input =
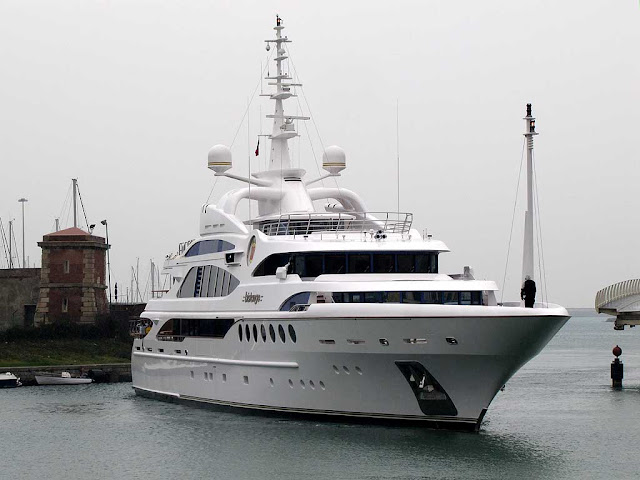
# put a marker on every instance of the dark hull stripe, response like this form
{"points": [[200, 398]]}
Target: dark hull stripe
{"points": [[444, 422]]}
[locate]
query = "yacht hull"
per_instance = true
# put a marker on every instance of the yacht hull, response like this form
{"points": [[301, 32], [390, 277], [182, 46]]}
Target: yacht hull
{"points": [[434, 371]]}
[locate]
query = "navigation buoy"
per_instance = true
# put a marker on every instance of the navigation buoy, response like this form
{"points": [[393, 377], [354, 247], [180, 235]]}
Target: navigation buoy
{"points": [[617, 368]]}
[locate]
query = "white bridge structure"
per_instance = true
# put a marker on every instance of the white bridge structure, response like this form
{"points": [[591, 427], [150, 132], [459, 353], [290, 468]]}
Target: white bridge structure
{"points": [[621, 299]]}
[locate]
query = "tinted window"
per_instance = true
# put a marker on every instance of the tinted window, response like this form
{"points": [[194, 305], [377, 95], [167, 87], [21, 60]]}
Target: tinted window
{"points": [[384, 263], [451, 298], [406, 263], [207, 281], [269, 265], [297, 299], [313, 266], [272, 333], [432, 297], [195, 327], [391, 297], [465, 298], [371, 297], [359, 263], [209, 246], [422, 263], [292, 333], [335, 263], [412, 297], [281, 333], [317, 263], [476, 298]]}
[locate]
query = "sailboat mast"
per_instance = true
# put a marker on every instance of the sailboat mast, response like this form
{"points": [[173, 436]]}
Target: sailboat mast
{"points": [[527, 251], [75, 209]]}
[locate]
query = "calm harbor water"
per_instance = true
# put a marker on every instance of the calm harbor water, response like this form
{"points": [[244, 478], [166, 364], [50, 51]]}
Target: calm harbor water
{"points": [[557, 418]]}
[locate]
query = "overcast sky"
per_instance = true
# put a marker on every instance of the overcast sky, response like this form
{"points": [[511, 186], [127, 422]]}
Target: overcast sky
{"points": [[128, 96]]}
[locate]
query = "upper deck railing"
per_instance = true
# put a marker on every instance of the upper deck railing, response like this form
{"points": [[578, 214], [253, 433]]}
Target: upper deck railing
{"points": [[307, 223]]}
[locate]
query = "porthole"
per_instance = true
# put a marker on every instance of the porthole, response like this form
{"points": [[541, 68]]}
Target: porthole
{"points": [[281, 333], [292, 333], [247, 333], [291, 383], [255, 333], [240, 332], [312, 385], [302, 383], [358, 371], [271, 382], [384, 341], [336, 369], [346, 370], [452, 341], [192, 375], [224, 377], [245, 379], [321, 383], [206, 375], [263, 333], [272, 333]]}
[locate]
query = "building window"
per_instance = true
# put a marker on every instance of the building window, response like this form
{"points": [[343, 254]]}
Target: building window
{"points": [[65, 267], [65, 304]]}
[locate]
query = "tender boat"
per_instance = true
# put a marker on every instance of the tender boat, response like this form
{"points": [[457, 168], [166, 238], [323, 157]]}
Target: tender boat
{"points": [[64, 379], [336, 314], [9, 380]]}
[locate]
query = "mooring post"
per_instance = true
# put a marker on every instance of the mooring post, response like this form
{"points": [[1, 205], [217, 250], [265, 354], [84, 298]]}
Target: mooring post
{"points": [[617, 368]]}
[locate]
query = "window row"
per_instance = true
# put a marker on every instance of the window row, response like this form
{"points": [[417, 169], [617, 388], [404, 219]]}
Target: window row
{"points": [[209, 246], [251, 333], [207, 281], [445, 298], [312, 264], [194, 327]]}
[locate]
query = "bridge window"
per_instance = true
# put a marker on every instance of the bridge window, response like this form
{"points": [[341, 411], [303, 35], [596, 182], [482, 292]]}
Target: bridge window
{"points": [[335, 263], [207, 281], [359, 263], [384, 263], [209, 246], [313, 264]]}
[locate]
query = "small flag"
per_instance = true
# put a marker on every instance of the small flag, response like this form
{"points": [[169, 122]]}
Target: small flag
{"points": [[258, 148]]}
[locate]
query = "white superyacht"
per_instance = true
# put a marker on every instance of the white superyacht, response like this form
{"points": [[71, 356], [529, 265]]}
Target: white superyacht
{"points": [[336, 314]]}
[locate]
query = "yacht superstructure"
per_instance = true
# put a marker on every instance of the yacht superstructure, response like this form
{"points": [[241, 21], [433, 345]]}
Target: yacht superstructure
{"points": [[340, 313]]}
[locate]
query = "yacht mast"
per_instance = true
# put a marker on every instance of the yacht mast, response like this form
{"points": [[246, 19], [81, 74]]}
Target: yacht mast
{"points": [[527, 251], [283, 127]]}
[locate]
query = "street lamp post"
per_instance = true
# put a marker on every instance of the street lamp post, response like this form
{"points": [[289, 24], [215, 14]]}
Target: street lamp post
{"points": [[106, 227], [22, 201]]}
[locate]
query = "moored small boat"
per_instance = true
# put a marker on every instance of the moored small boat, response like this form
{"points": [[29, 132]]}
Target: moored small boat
{"points": [[9, 380], [64, 379]]}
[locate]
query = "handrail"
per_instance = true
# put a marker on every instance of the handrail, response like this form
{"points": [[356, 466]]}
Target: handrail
{"points": [[307, 223], [616, 292]]}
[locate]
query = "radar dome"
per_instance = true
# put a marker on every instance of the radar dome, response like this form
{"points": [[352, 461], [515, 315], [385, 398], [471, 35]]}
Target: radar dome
{"points": [[334, 160], [219, 159]]}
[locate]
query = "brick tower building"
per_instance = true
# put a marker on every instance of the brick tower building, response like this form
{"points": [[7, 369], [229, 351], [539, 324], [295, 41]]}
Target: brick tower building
{"points": [[72, 286]]}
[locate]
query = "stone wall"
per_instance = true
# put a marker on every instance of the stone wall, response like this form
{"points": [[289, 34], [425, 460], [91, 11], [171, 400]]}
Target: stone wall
{"points": [[18, 287]]}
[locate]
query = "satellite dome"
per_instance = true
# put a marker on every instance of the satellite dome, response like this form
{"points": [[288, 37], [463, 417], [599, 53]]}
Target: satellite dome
{"points": [[219, 159], [334, 160]]}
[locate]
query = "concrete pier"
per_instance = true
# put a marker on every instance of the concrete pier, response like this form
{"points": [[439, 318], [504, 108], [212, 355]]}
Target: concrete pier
{"points": [[108, 372]]}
